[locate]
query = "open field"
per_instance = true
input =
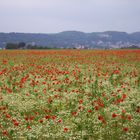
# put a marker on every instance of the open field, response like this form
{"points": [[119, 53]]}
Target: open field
{"points": [[70, 94]]}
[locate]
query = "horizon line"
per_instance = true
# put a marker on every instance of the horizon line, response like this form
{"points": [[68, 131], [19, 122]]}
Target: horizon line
{"points": [[69, 31]]}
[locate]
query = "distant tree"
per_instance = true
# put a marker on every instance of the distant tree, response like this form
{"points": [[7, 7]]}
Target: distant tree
{"points": [[21, 45], [11, 46]]}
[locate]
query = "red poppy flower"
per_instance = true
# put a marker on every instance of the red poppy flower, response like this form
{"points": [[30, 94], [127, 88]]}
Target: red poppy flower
{"points": [[89, 111], [5, 133], [29, 127], [100, 117], [96, 107], [114, 115], [16, 123], [80, 101], [59, 121], [129, 117], [47, 117], [41, 121], [65, 129], [125, 129]]}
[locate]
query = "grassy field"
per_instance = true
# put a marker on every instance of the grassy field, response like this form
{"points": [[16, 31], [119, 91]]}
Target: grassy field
{"points": [[70, 94]]}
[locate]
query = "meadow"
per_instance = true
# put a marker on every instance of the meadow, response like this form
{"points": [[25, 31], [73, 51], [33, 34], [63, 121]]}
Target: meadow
{"points": [[70, 94]]}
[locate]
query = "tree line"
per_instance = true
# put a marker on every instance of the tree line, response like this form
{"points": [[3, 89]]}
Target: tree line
{"points": [[22, 45]]}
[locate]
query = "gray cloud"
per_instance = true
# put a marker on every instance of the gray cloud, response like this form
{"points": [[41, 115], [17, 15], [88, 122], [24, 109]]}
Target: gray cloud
{"points": [[59, 15]]}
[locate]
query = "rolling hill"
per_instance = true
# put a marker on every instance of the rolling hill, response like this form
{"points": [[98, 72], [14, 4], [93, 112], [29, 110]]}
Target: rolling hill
{"points": [[74, 39]]}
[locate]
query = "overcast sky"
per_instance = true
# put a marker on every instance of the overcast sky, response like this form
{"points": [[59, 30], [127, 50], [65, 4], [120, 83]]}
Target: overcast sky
{"points": [[49, 16]]}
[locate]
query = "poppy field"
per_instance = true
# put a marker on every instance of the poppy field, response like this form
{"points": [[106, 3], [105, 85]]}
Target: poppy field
{"points": [[70, 95]]}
